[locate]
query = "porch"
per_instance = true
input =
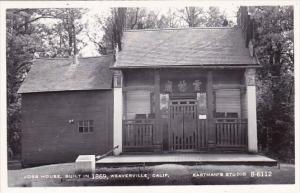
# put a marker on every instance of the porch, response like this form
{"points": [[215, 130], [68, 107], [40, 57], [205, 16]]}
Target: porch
{"points": [[188, 158], [184, 110]]}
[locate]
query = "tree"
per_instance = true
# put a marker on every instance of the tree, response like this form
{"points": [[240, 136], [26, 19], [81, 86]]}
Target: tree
{"points": [[274, 49], [96, 34], [133, 17], [27, 37], [21, 44], [169, 20], [193, 16], [215, 18], [61, 38], [113, 27]]}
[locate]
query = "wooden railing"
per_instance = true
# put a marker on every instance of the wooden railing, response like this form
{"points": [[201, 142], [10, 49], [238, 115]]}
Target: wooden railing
{"points": [[138, 134], [202, 134], [231, 133]]}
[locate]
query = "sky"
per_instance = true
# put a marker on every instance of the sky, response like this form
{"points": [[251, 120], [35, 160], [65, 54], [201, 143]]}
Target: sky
{"points": [[230, 10]]}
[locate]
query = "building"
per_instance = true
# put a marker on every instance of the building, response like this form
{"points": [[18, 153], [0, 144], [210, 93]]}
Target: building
{"points": [[185, 90], [168, 90], [67, 109]]}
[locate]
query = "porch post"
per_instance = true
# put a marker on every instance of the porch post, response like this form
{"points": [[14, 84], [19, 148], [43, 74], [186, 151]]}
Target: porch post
{"points": [[118, 111], [251, 109], [158, 131], [210, 112]]}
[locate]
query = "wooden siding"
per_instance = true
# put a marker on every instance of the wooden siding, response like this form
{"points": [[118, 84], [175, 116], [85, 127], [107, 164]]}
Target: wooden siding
{"points": [[228, 77], [49, 137], [138, 77]]}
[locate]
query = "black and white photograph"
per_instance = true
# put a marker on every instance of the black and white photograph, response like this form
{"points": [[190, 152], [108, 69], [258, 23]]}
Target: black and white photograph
{"points": [[161, 94]]}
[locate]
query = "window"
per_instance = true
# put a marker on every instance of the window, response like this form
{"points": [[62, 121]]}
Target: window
{"points": [[139, 104], [227, 103], [232, 115], [86, 126], [220, 115]]}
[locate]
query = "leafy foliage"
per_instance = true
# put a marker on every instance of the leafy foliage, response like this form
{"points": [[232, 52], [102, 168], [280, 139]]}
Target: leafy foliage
{"points": [[22, 42], [25, 39], [141, 18], [274, 49], [60, 39]]}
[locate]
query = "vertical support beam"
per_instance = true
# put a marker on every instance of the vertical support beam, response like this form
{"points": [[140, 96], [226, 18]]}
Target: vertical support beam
{"points": [[210, 111], [251, 109], [118, 112], [159, 132]]}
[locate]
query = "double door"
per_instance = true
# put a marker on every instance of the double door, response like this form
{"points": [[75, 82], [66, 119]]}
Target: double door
{"points": [[185, 131]]}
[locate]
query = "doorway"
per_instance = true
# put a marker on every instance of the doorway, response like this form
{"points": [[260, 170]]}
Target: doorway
{"points": [[183, 133]]}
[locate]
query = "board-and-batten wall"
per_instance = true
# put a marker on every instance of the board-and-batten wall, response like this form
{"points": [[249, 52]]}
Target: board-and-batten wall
{"points": [[50, 125]]}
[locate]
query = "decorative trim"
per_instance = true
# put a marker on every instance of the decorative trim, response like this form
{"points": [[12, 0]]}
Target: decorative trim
{"points": [[129, 88], [203, 66], [117, 79], [217, 87], [250, 77], [251, 48]]}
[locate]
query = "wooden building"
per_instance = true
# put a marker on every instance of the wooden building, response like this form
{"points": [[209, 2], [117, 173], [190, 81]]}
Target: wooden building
{"points": [[67, 109], [168, 90], [190, 90]]}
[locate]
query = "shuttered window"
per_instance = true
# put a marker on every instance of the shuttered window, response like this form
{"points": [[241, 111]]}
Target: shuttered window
{"points": [[138, 104], [228, 103]]}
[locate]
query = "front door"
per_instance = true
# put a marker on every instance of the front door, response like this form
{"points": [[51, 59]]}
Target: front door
{"points": [[183, 124]]}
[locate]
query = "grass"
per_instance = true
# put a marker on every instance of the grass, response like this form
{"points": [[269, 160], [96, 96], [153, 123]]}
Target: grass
{"points": [[165, 174]]}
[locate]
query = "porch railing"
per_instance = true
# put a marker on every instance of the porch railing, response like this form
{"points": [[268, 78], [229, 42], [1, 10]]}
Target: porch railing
{"points": [[138, 134], [231, 133]]}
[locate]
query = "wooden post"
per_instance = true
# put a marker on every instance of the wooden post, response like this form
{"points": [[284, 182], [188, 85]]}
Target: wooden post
{"points": [[158, 131], [210, 111], [251, 109], [118, 112]]}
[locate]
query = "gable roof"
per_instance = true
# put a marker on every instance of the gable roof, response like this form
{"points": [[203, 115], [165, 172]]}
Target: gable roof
{"points": [[184, 47], [61, 74]]}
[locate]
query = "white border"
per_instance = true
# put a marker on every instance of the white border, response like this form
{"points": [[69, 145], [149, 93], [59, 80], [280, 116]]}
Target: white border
{"points": [[204, 188]]}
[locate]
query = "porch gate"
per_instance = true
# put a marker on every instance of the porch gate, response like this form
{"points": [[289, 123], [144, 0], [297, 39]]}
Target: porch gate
{"points": [[186, 131]]}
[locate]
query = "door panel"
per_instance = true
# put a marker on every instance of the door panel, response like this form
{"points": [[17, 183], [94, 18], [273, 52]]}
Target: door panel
{"points": [[190, 126], [176, 125], [183, 133]]}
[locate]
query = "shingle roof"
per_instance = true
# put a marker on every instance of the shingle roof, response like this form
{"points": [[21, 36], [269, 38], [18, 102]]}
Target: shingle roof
{"points": [[91, 73], [183, 47]]}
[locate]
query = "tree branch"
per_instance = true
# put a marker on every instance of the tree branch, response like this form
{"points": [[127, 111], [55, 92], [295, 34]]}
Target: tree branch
{"points": [[35, 19]]}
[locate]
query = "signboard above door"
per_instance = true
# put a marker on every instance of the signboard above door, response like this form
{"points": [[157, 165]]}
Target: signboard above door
{"points": [[183, 84]]}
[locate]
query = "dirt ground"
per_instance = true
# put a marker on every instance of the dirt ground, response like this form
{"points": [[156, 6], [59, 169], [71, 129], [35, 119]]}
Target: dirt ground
{"points": [[165, 174]]}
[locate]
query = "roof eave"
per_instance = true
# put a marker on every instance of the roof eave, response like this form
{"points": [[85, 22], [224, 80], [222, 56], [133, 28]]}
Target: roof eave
{"points": [[67, 90], [188, 66]]}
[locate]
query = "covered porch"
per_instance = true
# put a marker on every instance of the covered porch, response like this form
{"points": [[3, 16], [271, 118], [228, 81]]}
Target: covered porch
{"points": [[185, 110]]}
